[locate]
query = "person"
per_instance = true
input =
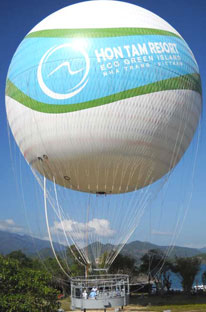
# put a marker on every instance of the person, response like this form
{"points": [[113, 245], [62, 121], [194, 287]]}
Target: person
{"points": [[84, 294], [118, 293], [93, 293]]}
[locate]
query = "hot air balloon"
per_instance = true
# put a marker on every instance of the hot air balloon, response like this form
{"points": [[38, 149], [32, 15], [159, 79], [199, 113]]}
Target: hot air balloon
{"points": [[103, 99]]}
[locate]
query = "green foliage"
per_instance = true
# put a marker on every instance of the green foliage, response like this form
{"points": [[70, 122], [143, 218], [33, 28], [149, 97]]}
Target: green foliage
{"points": [[123, 264], [59, 279], [24, 289], [202, 257], [102, 260], [21, 258], [187, 268], [52, 266], [152, 262], [76, 263], [157, 268], [204, 278]]}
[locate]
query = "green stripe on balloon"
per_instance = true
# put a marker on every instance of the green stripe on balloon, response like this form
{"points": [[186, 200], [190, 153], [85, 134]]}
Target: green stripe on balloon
{"points": [[99, 32], [186, 82]]}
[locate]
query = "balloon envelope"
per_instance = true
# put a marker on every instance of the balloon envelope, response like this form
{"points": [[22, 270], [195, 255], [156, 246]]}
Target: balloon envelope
{"points": [[103, 106]]}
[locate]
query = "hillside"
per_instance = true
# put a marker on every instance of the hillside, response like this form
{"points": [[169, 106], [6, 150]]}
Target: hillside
{"points": [[32, 246], [27, 244], [137, 249]]}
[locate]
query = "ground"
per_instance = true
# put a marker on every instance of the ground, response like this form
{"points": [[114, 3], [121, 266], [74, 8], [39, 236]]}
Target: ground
{"points": [[145, 303]]}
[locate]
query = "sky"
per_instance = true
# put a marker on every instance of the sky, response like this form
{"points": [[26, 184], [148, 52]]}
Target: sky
{"points": [[188, 18]]}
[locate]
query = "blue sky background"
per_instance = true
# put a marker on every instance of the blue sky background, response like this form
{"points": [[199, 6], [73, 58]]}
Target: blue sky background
{"points": [[188, 18]]}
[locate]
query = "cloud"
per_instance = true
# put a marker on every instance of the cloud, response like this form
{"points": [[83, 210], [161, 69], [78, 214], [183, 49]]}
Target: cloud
{"points": [[10, 226], [79, 230], [192, 245], [101, 227], [161, 233]]}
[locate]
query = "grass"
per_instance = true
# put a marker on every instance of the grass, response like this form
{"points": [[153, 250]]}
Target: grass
{"points": [[65, 304], [172, 308], [174, 303], [183, 308]]}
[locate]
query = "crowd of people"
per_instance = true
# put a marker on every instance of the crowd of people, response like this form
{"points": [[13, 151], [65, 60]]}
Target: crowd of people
{"points": [[92, 295], [94, 292]]}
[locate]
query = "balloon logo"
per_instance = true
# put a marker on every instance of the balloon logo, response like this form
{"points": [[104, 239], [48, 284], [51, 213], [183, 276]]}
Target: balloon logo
{"points": [[76, 77]]}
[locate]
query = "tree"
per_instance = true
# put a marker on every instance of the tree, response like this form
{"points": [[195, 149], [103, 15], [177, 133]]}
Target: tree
{"points": [[21, 257], [59, 278], [24, 289], [123, 264], [76, 263], [204, 279], [157, 268], [187, 268]]}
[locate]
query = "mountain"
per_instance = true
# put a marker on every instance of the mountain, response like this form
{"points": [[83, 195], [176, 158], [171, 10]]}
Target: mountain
{"points": [[137, 249], [97, 249], [27, 244], [202, 250], [32, 246]]}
